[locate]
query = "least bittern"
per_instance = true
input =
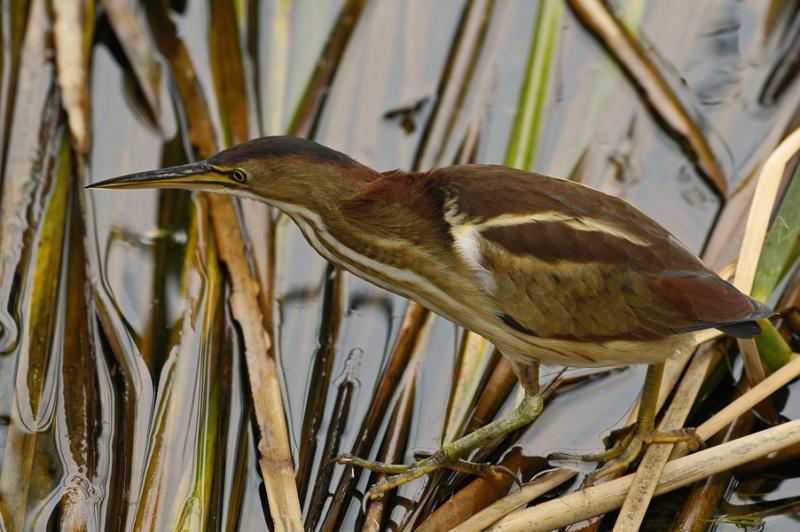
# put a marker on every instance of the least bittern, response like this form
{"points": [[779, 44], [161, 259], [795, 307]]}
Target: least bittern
{"points": [[548, 270]]}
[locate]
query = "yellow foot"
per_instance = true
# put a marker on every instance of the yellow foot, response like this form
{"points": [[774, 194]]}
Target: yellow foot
{"points": [[401, 474], [627, 451], [618, 458], [630, 449]]}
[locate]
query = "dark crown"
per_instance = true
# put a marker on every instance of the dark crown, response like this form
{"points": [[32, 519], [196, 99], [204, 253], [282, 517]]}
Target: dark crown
{"points": [[279, 146]]}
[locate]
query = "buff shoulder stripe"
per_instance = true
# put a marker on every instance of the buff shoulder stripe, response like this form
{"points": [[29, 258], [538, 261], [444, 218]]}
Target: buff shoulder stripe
{"points": [[579, 223]]}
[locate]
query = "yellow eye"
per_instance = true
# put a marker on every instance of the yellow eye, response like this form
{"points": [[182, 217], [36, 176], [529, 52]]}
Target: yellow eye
{"points": [[239, 176]]}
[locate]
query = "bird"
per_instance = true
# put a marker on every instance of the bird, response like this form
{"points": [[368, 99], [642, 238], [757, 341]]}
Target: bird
{"points": [[549, 270]]}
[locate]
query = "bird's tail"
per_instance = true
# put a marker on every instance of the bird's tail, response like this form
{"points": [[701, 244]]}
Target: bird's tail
{"points": [[748, 328], [744, 329]]}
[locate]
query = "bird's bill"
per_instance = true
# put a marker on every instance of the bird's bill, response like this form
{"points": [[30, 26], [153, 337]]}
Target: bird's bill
{"points": [[193, 176]]}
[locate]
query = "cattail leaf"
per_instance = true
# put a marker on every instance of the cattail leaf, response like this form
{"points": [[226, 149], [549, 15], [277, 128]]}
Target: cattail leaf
{"points": [[772, 347], [780, 247], [31, 139], [34, 401], [533, 97], [39, 319], [81, 395]]}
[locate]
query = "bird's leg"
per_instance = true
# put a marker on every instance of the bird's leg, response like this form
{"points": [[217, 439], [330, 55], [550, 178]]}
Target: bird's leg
{"points": [[629, 449], [449, 456]]}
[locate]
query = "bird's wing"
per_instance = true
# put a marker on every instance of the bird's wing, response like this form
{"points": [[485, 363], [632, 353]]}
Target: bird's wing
{"points": [[563, 260]]}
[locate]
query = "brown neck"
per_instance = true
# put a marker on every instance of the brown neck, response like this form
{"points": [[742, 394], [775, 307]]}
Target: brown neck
{"points": [[334, 186], [318, 186], [400, 205]]}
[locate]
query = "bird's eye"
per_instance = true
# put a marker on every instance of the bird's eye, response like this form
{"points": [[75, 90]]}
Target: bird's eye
{"points": [[239, 176]]}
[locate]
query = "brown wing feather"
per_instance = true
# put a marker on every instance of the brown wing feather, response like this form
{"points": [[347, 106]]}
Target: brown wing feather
{"points": [[708, 298], [588, 284], [487, 191]]}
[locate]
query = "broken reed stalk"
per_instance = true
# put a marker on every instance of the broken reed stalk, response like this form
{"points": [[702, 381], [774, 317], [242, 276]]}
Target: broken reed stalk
{"points": [[275, 459], [769, 181], [486, 490], [481, 493], [673, 369], [672, 373], [603, 498]]}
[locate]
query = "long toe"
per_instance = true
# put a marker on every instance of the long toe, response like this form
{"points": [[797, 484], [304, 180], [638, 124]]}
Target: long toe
{"points": [[685, 435], [608, 454], [413, 472], [619, 465], [370, 465], [632, 448]]}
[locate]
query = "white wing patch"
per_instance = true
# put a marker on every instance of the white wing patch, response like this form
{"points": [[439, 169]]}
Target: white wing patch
{"points": [[468, 248]]}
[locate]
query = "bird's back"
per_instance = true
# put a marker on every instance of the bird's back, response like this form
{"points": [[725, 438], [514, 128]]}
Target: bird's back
{"points": [[563, 260]]}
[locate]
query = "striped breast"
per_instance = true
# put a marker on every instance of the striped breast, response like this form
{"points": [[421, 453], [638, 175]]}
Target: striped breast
{"points": [[391, 262]]}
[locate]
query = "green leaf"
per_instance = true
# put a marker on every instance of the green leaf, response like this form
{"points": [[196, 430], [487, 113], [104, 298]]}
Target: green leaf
{"points": [[772, 348], [532, 100], [780, 248]]}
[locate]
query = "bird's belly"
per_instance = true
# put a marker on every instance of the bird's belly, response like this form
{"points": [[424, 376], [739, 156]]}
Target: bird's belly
{"points": [[595, 354]]}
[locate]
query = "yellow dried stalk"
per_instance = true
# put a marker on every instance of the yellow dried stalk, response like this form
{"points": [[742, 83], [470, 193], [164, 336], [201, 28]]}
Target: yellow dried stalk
{"points": [[275, 454], [769, 181], [604, 498]]}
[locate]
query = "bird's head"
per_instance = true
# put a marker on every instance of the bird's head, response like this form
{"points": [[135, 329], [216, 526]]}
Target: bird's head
{"points": [[278, 170]]}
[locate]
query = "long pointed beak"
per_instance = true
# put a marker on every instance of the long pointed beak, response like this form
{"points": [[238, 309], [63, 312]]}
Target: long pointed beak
{"points": [[193, 176]]}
